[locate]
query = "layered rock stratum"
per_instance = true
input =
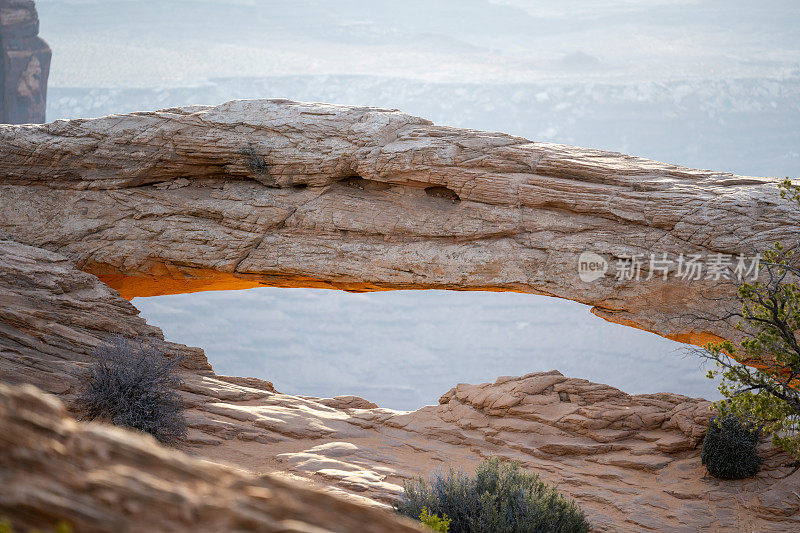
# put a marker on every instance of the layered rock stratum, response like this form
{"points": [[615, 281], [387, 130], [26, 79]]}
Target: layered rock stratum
{"points": [[288, 194]]}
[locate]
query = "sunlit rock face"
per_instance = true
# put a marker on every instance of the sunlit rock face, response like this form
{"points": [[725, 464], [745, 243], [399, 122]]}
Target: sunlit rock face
{"points": [[274, 192], [24, 64]]}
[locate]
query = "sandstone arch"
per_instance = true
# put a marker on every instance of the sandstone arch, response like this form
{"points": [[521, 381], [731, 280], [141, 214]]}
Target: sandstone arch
{"points": [[275, 192], [288, 194]]}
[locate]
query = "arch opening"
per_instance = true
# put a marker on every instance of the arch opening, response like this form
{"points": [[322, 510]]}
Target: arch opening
{"points": [[404, 349]]}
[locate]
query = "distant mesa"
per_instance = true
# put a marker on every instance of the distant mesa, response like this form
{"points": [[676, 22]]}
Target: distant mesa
{"points": [[24, 64]]}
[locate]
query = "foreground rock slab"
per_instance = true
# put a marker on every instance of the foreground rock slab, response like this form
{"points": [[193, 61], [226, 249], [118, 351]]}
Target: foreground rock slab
{"points": [[101, 478], [275, 192], [631, 461]]}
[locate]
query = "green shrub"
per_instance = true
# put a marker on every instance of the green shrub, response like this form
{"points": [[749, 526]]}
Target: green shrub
{"points": [[729, 449], [442, 525], [500, 498], [132, 384]]}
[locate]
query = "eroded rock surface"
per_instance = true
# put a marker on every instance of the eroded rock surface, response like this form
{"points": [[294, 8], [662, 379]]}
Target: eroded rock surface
{"points": [[101, 478], [632, 462], [275, 192]]}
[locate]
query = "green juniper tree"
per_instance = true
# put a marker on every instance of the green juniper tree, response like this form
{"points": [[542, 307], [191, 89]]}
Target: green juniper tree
{"points": [[760, 378]]}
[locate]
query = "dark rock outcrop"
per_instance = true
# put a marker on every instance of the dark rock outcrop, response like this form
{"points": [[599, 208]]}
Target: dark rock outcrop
{"points": [[24, 64]]}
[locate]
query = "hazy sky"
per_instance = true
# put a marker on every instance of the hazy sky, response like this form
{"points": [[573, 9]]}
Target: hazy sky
{"points": [[144, 43]]}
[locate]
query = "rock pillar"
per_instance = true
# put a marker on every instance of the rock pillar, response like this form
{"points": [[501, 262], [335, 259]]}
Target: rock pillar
{"points": [[24, 64]]}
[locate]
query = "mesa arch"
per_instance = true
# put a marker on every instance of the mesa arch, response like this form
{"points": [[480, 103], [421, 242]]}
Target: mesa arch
{"points": [[280, 193]]}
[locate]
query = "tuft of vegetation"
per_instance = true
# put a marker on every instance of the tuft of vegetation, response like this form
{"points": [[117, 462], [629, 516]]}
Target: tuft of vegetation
{"points": [[729, 448], [500, 498], [254, 161], [761, 377], [442, 525], [132, 384]]}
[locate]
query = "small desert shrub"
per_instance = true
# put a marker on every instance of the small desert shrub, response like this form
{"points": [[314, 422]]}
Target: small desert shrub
{"points": [[253, 160], [729, 449], [501, 498], [132, 384]]}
